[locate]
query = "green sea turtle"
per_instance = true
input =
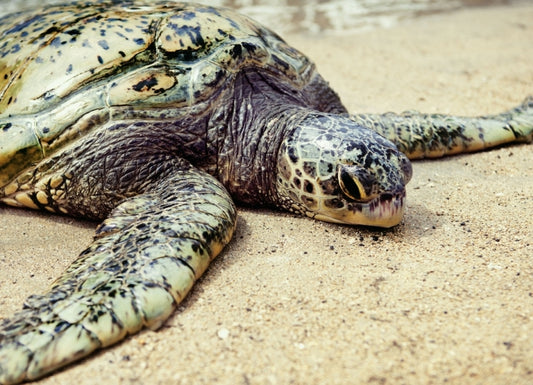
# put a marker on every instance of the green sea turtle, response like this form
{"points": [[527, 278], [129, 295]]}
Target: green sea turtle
{"points": [[155, 117]]}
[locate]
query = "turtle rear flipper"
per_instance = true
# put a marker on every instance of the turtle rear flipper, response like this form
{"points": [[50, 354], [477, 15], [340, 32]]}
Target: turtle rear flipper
{"points": [[434, 135], [143, 261]]}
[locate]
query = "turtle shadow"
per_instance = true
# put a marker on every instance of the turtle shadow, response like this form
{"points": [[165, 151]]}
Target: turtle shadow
{"points": [[24, 214]]}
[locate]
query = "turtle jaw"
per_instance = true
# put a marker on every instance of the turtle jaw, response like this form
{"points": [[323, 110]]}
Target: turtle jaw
{"points": [[385, 211]]}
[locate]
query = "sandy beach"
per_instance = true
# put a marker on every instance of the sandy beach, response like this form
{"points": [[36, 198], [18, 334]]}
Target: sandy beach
{"points": [[445, 297]]}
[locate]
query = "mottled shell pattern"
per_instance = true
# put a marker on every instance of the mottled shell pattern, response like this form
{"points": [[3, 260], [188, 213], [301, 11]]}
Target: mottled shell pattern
{"points": [[122, 60]]}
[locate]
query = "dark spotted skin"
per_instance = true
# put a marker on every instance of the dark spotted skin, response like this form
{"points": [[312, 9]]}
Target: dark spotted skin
{"points": [[153, 118], [435, 135], [329, 171]]}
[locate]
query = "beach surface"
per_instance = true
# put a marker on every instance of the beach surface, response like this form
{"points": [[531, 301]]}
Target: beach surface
{"points": [[445, 297]]}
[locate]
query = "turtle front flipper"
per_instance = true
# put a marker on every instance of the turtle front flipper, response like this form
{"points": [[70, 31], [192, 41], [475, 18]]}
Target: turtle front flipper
{"points": [[144, 259], [434, 135]]}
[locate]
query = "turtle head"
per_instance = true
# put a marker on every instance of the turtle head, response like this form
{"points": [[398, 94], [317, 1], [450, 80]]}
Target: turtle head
{"points": [[332, 169]]}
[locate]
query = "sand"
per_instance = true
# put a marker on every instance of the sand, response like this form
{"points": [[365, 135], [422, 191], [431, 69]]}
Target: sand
{"points": [[447, 296]]}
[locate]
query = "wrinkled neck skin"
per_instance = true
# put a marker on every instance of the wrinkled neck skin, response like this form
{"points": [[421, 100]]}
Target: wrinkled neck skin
{"points": [[255, 119], [248, 164], [259, 114]]}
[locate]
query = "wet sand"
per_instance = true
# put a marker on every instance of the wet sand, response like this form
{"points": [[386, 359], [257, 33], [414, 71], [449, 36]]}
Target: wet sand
{"points": [[447, 296]]}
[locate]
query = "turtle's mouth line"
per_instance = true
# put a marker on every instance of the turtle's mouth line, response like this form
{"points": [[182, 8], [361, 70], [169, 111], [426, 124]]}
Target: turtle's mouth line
{"points": [[386, 210]]}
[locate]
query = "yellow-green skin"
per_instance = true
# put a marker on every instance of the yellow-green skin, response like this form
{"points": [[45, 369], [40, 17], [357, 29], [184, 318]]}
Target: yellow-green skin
{"points": [[153, 117]]}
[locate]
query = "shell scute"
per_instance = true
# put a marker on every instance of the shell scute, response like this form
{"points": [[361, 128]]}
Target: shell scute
{"points": [[55, 62], [143, 83], [194, 34], [69, 69], [19, 148]]}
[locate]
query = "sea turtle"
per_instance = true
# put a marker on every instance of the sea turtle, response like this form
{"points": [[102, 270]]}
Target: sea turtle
{"points": [[154, 117]]}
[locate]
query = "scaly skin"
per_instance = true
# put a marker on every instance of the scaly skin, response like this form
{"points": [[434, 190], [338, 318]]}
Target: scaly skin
{"points": [[144, 260], [434, 135]]}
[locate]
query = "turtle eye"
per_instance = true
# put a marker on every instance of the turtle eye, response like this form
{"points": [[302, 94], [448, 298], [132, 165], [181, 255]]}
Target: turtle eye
{"points": [[351, 186]]}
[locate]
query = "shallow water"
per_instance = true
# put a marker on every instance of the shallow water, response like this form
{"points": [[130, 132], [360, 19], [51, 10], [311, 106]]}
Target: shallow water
{"points": [[319, 16]]}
